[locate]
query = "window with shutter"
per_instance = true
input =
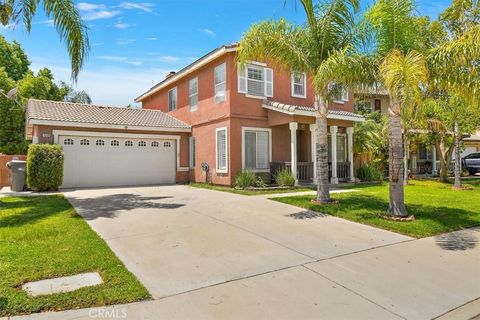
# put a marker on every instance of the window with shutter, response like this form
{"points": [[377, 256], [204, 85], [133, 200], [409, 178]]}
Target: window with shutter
{"points": [[192, 152], [256, 149], [255, 80], [222, 150]]}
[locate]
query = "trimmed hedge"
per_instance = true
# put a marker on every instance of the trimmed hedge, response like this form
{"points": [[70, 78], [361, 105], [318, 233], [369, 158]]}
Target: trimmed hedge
{"points": [[44, 167]]}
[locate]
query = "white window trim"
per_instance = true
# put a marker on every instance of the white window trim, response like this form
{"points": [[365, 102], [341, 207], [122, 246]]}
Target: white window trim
{"points": [[226, 150], [176, 99], [217, 84], [245, 129], [304, 85], [195, 107]]}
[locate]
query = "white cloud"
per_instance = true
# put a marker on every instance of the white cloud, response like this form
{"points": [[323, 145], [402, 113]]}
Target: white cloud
{"points": [[169, 59], [152, 39], [124, 42], [103, 14], [209, 32], [113, 58], [121, 25], [146, 6], [92, 11], [84, 6]]}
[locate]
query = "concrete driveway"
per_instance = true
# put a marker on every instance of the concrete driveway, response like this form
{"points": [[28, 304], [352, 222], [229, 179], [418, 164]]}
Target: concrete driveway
{"points": [[211, 255]]}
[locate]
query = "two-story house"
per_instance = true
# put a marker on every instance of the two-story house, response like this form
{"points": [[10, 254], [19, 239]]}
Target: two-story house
{"points": [[206, 122], [254, 118]]}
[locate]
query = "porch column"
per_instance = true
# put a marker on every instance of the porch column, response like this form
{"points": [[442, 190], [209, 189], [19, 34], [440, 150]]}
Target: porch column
{"points": [[350, 152], [333, 135], [434, 161], [293, 149], [313, 140]]}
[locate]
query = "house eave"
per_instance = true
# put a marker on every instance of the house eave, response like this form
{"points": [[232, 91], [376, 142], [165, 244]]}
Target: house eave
{"points": [[215, 54], [75, 124], [332, 116]]}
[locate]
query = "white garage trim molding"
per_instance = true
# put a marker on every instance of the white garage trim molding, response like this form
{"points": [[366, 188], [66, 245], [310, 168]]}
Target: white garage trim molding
{"points": [[57, 133]]}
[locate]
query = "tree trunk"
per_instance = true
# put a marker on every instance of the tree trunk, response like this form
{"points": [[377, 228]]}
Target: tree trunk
{"points": [[445, 156], [321, 150], [405, 158], [458, 169], [397, 201]]}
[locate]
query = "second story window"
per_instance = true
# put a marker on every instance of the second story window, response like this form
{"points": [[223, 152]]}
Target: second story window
{"points": [[299, 87], [193, 94], [340, 93], [172, 99], [255, 80], [220, 82]]}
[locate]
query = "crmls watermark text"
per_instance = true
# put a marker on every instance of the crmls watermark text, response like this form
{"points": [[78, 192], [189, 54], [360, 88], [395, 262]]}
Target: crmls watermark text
{"points": [[108, 313]]}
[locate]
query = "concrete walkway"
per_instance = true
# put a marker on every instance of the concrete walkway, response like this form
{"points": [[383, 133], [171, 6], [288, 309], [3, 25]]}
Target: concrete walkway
{"points": [[205, 254]]}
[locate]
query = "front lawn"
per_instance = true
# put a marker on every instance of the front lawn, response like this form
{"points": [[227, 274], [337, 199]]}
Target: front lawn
{"points": [[249, 192], [436, 207], [43, 237]]}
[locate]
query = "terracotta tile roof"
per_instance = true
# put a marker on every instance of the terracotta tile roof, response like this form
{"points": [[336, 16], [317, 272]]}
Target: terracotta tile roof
{"points": [[95, 114], [289, 108]]}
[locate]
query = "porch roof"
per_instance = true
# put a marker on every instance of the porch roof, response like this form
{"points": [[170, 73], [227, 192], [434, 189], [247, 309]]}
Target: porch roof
{"points": [[310, 111]]}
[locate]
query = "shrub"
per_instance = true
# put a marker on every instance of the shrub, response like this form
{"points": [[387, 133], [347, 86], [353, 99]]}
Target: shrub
{"points": [[369, 172], [44, 167], [245, 179], [285, 178]]}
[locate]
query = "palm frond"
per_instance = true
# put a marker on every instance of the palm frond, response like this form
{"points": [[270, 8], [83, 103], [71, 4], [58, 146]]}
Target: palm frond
{"points": [[72, 30], [357, 71], [278, 42], [404, 74]]}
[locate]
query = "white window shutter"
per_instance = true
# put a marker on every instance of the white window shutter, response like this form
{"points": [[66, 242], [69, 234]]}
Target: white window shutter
{"points": [[268, 82], [242, 79]]}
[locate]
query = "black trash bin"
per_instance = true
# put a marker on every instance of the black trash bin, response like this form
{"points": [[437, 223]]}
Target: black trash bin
{"points": [[18, 174]]}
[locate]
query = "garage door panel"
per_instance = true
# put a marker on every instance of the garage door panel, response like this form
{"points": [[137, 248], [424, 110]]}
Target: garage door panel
{"points": [[103, 164]]}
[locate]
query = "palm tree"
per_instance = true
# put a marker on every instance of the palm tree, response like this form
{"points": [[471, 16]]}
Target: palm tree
{"points": [[329, 27], [66, 20]]}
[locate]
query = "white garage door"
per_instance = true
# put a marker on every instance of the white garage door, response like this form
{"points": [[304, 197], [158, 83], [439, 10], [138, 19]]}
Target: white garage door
{"points": [[111, 161]]}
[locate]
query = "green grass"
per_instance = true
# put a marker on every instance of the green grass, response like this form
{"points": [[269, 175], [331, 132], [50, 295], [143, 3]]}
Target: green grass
{"points": [[248, 192], [43, 237], [436, 207]]}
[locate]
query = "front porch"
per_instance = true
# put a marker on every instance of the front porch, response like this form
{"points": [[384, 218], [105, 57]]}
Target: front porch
{"points": [[301, 159]]}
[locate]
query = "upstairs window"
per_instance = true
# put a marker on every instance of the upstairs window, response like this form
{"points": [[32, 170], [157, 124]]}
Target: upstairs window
{"points": [[193, 94], [172, 99], [299, 85], [255, 80], [220, 80], [341, 94]]}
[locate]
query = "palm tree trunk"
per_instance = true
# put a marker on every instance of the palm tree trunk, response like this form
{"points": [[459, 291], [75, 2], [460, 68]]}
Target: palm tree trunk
{"points": [[458, 182], [321, 150], [397, 200], [405, 158]]}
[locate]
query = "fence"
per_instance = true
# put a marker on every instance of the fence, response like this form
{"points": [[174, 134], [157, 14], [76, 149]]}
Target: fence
{"points": [[4, 173]]}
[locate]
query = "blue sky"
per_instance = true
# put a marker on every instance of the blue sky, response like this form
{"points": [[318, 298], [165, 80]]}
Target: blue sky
{"points": [[135, 43]]}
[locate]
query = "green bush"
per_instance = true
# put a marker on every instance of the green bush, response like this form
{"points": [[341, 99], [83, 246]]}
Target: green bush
{"points": [[285, 178], [245, 179], [369, 172], [44, 167]]}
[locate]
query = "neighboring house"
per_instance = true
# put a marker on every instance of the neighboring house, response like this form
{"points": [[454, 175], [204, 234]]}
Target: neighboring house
{"points": [[257, 118], [422, 157]]}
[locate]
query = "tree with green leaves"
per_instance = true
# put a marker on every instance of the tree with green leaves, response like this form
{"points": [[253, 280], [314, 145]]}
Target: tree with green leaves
{"points": [[330, 26], [66, 19]]}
